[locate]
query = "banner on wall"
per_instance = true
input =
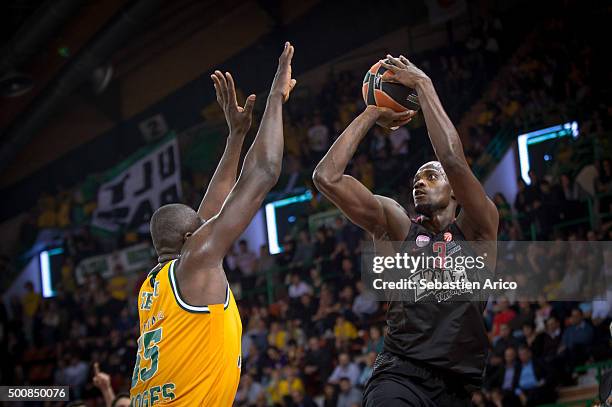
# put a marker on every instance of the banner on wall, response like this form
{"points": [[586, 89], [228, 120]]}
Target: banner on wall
{"points": [[131, 259], [147, 180]]}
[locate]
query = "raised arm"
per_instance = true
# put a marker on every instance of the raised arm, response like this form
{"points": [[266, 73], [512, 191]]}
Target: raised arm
{"points": [[239, 121], [358, 203], [260, 172], [479, 211], [103, 382]]}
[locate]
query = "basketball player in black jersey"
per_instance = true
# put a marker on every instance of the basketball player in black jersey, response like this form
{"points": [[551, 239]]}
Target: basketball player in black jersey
{"points": [[434, 352]]}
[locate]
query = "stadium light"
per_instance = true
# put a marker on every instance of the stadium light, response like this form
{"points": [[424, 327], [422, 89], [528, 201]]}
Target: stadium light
{"points": [[45, 271], [272, 225], [539, 136]]}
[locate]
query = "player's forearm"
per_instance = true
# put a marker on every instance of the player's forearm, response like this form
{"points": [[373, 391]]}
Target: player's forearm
{"points": [[224, 177], [333, 165], [442, 133], [266, 153], [109, 395]]}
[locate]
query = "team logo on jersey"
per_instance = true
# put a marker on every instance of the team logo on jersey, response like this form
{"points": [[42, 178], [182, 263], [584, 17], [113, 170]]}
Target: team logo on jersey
{"points": [[422, 240], [448, 236], [441, 275], [447, 279]]}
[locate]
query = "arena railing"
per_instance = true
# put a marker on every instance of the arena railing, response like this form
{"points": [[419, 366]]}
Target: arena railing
{"points": [[601, 367], [593, 217]]}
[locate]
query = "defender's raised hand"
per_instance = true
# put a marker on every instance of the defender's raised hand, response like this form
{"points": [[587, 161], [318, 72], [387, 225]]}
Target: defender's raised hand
{"points": [[238, 118], [405, 72], [283, 84]]}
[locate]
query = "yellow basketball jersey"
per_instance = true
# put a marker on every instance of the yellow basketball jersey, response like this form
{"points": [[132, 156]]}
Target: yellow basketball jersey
{"points": [[187, 355]]}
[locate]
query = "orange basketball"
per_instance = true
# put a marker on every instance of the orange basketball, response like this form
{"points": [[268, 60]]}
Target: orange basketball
{"points": [[376, 90]]}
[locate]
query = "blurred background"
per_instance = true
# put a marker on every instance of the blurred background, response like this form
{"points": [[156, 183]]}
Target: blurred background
{"points": [[107, 112]]}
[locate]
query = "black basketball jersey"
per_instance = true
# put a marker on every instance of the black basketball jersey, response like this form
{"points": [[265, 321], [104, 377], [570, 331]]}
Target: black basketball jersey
{"points": [[444, 333]]}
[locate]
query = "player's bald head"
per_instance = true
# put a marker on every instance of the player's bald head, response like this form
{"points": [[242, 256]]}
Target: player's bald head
{"points": [[435, 166], [170, 225]]}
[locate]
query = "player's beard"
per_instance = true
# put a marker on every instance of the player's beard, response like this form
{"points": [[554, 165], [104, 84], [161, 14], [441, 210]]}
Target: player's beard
{"points": [[428, 208]]}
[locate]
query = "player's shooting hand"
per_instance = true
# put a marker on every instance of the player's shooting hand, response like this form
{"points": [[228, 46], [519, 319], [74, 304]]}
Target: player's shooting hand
{"points": [[390, 119], [101, 380], [283, 84], [238, 118], [404, 71]]}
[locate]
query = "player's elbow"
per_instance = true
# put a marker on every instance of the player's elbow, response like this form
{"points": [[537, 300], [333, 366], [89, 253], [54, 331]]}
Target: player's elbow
{"points": [[266, 174], [317, 177], [322, 179]]}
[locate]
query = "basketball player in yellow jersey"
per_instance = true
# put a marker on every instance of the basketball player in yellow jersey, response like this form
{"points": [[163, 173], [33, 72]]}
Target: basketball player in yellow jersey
{"points": [[190, 329]]}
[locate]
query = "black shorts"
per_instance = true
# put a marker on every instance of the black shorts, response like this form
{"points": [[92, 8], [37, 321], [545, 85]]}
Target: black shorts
{"points": [[402, 383]]}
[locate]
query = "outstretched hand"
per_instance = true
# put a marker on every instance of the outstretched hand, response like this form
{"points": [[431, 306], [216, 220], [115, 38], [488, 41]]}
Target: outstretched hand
{"points": [[404, 71], [101, 380], [238, 118], [283, 84]]}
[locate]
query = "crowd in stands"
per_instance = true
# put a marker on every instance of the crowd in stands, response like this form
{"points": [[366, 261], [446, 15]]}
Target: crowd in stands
{"points": [[320, 337], [316, 343]]}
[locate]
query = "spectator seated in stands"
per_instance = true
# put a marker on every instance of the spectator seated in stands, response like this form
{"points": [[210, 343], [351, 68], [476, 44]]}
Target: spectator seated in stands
{"points": [[344, 331], [368, 369], [525, 315], [317, 363], [349, 396], [577, 338], [278, 336], [298, 288], [304, 249], [330, 396], [504, 340], [299, 399], [345, 369], [289, 383], [375, 342], [532, 388], [504, 375], [503, 315], [365, 304]]}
